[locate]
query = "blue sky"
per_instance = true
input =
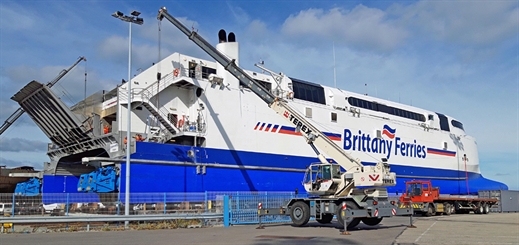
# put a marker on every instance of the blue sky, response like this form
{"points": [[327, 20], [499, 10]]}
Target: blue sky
{"points": [[460, 58]]}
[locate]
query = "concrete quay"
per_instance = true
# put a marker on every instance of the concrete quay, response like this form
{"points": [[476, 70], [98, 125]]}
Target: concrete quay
{"points": [[493, 228]]}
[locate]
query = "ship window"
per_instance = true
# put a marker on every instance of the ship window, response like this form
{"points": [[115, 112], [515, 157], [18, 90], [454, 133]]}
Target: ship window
{"points": [[334, 117], [205, 70], [431, 117], [444, 122], [457, 124], [374, 106], [308, 91], [308, 112]]}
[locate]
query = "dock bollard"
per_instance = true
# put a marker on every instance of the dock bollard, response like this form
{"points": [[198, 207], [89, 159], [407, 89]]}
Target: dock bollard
{"points": [[343, 217], [259, 216]]}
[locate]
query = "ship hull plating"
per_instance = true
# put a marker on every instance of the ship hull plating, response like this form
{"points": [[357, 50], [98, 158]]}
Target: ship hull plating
{"points": [[167, 178]]}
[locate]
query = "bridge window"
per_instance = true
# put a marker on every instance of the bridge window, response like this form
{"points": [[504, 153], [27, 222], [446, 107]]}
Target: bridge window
{"points": [[304, 90], [444, 122], [457, 124]]}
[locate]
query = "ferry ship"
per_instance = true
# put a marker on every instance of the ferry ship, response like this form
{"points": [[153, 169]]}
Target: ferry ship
{"points": [[195, 128]]}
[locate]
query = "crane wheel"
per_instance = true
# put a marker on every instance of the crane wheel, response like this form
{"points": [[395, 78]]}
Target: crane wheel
{"points": [[371, 221], [352, 222], [325, 219], [300, 213]]}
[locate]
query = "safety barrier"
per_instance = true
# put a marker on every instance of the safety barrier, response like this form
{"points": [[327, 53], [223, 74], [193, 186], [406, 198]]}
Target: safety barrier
{"points": [[232, 208], [244, 206]]}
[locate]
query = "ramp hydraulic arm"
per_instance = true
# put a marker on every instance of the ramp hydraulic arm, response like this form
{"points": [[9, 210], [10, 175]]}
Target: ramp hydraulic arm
{"points": [[313, 135], [19, 112]]}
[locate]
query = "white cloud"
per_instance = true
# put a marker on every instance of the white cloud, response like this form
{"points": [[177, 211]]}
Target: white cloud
{"points": [[10, 19], [19, 144], [478, 23], [240, 15], [257, 32], [362, 27]]}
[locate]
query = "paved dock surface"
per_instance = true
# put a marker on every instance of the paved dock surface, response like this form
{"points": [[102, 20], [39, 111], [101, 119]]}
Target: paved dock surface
{"points": [[493, 228], [473, 229]]}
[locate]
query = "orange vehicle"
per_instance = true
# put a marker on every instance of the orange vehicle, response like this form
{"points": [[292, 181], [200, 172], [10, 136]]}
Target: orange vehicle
{"points": [[427, 200]]}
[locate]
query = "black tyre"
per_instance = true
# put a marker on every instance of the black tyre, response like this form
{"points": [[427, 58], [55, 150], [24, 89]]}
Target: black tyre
{"points": [[486, 208], [430, 211], [300, 213], [325, 219], [371, 221], [479, 209], [352, 222], [447, 208]]}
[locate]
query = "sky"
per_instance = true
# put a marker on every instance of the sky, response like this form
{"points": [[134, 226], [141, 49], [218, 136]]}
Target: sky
{"points": [[459, 58]]}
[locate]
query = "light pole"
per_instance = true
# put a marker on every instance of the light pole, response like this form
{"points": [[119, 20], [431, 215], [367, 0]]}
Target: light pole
{"points": [[136, 20]]}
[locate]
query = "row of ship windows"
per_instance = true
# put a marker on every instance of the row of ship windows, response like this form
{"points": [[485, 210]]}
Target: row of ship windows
{"points": [[443, 120], [312, 92], [386, 109]]}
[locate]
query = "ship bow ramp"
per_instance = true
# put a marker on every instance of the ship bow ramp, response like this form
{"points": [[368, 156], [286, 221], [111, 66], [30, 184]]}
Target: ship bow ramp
{"points": [[73, 135]]}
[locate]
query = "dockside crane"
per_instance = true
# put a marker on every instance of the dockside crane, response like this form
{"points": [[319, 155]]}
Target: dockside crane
{"points": [[19, 112], [361, 188]]}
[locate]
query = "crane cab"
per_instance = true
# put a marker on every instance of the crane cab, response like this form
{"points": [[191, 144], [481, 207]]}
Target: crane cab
{"points": [[322, 178]]}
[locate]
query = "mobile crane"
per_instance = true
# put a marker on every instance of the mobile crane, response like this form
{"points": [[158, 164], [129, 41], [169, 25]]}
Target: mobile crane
{"points": [[360, 190]]}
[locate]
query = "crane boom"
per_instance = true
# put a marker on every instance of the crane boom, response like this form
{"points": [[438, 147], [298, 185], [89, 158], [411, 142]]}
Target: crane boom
{"points": [[280, 105], [356, 175], [19, 112]]}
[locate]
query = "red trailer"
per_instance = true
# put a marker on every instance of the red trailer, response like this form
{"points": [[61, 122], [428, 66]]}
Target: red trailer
{"points": [[427, 200]]}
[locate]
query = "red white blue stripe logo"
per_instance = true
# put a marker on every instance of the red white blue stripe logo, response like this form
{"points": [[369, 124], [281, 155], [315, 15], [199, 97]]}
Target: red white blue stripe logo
{"points": [[441, 152], [388, 131], [266, 127], [261, 126]]}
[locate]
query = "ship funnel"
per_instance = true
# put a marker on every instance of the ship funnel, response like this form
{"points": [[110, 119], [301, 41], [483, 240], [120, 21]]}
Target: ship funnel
{"points": [[232, 37], [222, 36], [231, 49]]}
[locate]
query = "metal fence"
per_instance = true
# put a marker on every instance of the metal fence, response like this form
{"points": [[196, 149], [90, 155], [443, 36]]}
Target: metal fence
{"points": [[240, 208], [244, 206]]}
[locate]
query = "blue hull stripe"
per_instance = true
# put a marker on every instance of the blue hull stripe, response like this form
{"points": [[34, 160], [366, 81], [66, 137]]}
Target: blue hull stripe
{"points": [[162, 178]]}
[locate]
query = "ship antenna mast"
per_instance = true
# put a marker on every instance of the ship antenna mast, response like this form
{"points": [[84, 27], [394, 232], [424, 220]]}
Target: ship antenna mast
{"points": [[334, 72]]}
